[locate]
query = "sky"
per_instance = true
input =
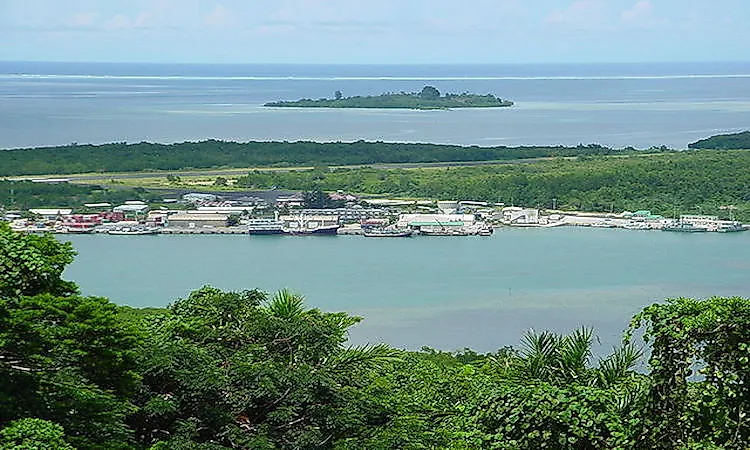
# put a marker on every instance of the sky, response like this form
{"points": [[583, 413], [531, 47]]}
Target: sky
{"points": [[374, 31]]}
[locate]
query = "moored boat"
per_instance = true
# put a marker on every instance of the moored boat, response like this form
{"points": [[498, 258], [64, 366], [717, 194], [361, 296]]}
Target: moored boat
{"points": [[265, 227], [684, 227], [133, 231], [388, 232]]}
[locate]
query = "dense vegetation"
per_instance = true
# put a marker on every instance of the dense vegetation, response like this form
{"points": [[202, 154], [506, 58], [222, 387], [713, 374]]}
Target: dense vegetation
{"points": [[242, 370], [666, 183], [735, 141], [428, 98], [122, 157], [23, 195]]}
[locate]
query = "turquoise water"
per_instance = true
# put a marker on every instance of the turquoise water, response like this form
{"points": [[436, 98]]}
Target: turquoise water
{"points": [[478, 292]]}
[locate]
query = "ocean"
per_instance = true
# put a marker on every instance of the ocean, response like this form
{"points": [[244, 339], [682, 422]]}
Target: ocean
{"points": [[617, 105]]}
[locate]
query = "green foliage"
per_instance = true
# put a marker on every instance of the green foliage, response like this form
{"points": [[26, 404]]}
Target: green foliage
{"points": [[63, 357], [33, 434], [709, 337], [733, 141], [429, 93], [543, 415], [669, 183], [428, 98], [25, 194], [31, 265], [122, 157], [317, 199], [243, 371]]}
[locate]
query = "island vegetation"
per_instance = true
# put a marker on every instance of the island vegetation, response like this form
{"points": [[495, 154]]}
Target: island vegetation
{"points": [[428, 98], [732, 141], [248, 370], [143, 156]]}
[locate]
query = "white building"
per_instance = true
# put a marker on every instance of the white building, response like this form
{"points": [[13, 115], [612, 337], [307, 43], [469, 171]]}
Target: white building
{"points": [[518, 215]]}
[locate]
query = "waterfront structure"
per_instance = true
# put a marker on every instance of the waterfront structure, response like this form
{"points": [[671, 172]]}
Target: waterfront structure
{"points": [[448, 206], [352, 214], [515, 215], [189, 220]]}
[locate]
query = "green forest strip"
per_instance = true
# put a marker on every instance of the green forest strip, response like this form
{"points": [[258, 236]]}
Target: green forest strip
{"points": [[122, 157], [684, 182], [734, 141], [247, 370], [699, 182]]}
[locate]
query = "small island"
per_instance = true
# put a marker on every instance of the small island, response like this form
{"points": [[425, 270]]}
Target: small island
{"points": [[428, 98]]}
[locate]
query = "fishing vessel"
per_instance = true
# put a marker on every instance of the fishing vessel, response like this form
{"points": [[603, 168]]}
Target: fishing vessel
{"points": [[301, 225]]}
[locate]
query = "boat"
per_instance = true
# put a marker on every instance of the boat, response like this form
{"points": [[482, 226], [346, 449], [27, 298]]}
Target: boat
{"points": [[319, 230], [133, 231], [684, 227], [731, 227], [637, 226], [310, 225], [485, 231], [387, 232], [265, 227], [444, 232]]}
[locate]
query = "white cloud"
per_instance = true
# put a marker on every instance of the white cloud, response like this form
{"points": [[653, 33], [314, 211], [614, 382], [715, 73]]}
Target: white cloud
{"points": [[81, 20], [640, 12], [221, 16], [579, 13], [118, 22]]}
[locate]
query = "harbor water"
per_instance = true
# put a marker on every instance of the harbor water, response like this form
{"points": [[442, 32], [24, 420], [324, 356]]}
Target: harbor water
{"points": [[443, 292]]}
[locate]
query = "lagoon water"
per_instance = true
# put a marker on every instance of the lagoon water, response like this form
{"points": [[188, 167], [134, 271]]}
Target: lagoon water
{"points": [[450, 293], [442, 292], [618, 105]]}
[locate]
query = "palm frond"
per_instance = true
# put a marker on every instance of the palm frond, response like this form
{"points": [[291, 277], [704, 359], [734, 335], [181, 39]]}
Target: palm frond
{"points": [[575, 353], [370, 355], [286, 305], [619, 364]]}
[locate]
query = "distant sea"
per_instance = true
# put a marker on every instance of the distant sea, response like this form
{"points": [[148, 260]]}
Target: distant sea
{"points": [[618, 105]]}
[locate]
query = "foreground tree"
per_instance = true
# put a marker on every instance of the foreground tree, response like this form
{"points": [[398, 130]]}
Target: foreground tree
{"points": [[710, 338], [240, 370], [33, 434], [64, 358]]}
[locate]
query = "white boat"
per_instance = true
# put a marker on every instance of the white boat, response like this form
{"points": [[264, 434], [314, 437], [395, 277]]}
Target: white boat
{"points": [[265, 226], [388, 232], [133, 231]]}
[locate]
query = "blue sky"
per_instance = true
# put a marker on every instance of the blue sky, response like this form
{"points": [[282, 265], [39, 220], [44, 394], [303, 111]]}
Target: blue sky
{"points": [[374, 31]]}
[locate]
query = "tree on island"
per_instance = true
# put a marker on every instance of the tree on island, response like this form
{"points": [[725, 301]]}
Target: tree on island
{"points": [[429, 93], [338, 95]]}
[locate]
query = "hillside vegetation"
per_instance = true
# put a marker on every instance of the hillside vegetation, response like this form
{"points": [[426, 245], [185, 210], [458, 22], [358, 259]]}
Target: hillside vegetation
{"points": [[733, 141], [696, 181], [122, 157]]}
